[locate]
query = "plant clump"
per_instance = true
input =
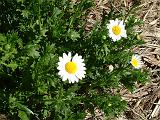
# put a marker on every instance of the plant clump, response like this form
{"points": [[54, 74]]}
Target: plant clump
{"points": [[51, 68]]}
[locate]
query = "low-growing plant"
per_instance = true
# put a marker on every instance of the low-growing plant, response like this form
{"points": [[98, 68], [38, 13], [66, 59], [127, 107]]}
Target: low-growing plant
{"points": [[51, 68]]}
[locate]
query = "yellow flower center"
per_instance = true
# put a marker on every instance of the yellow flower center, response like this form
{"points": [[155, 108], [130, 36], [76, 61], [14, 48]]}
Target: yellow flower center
{"points": [[135, 62], [71, 67], [116, 30]]}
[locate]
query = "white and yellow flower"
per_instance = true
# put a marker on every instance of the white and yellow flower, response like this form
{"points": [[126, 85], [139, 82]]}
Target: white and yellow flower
{"points": [[136, 61], [71, 68], [116, 29]]}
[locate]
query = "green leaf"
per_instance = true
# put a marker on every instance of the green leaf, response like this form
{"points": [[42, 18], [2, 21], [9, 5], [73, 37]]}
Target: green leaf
{"points": [[45, 113], [25, 13], [57, 11], [22, 115], [32, 51], [24, 108], [106, 49], [20, 1], [13, 65], [74, 35], [2, 38]]}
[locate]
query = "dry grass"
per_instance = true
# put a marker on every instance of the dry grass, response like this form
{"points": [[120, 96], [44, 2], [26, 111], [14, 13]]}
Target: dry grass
{"points": [[144, 103], [2, 117]]}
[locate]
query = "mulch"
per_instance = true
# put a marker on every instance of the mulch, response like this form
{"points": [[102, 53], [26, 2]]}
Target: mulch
{"points": [[144, 102]]}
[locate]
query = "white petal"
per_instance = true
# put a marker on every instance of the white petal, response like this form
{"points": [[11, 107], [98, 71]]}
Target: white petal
{"points": [[82, 73], [61, 72], [121, 23], [60, 59], [69, 54], [82, 68], [136, 56], [110, 26], [60, 67], [61, 63], [64, 78], [112, 22], [110, 35], [78, 76], [71, 78], [124, 34], [65, 56], [116, 38], [75, 58], [76, 79], [80, 64], [116, 21]]}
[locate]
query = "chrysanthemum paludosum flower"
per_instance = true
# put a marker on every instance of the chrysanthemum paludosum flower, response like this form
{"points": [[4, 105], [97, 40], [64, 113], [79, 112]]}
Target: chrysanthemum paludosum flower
{"points": [[116, 29], [71, 68], [136, 61]]}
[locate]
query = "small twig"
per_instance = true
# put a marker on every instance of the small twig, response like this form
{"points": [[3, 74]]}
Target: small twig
{"points": [[125, 3], [37, 116], [137, 104], [156, 103], [144, 19], [143, 118], [144, 4], [156, 70], [156, 110], [99, 2]]}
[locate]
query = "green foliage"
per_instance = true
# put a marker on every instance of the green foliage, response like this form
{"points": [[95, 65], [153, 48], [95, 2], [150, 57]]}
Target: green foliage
{"points": [[34, 33]]}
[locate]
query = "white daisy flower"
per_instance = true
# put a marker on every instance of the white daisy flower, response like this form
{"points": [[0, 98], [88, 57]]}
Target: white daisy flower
{"points": [[70, 68], [136, 61], [111, 68], [116, 29]]}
